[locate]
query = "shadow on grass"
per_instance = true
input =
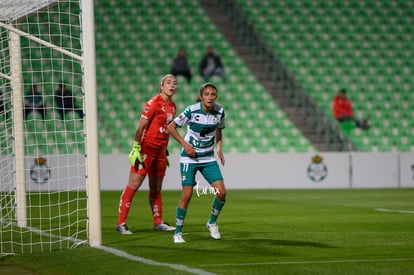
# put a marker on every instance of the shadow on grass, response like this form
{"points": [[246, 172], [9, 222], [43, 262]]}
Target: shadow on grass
{"points": [[269, 242], [200, 241], [138, 236]]}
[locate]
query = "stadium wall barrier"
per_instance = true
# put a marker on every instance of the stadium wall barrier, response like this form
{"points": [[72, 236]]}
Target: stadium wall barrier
{"points": [[305, 171], [241, 171]]}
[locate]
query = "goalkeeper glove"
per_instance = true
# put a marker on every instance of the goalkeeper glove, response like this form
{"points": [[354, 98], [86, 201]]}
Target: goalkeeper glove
{"points": [[167, 161], [135, 153]]}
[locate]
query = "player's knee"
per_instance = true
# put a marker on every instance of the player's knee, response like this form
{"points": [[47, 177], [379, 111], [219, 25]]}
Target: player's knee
{"points": [[220, 192], [184, 201], [186, 197], [135, 181], [221, 195]]}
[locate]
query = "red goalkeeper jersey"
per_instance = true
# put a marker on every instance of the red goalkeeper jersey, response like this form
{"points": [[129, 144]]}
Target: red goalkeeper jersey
{"points": [[159, 113]]}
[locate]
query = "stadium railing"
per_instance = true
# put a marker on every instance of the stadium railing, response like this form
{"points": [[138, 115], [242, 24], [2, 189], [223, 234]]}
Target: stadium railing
{"points": [[288, 87]]}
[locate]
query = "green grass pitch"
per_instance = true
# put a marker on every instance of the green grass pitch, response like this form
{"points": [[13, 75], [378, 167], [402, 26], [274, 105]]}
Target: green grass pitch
{"points": [[369, 231]]}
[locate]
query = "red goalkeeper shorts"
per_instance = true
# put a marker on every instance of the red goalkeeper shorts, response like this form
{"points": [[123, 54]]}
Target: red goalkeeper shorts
{"points": [[154, 164]]}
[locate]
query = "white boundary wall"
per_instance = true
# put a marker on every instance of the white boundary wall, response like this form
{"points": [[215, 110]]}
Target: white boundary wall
{"points": [[250, 171]]}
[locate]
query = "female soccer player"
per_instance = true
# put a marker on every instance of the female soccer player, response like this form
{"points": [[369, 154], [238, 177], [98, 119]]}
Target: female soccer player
{"points": [[148, 154], [205, 121]]}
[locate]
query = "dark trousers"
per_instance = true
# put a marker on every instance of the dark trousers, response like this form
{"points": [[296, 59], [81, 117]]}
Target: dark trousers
{"points": [[363, 124], [63, 111], [41, 110]]}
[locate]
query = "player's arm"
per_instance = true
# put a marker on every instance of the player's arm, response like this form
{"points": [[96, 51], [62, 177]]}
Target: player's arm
{"points": [[142, 124], [219, 143], [172, 129], [135, 154]]}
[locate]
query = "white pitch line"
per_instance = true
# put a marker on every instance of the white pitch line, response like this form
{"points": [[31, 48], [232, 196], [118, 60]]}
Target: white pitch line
{"points": [[395, 211], [123, 254], [179, 267], [313, 262], [76, 242]]}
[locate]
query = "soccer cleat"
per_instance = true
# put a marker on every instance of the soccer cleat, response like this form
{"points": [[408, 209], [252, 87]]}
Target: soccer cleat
{"points": [[123, 229], [178, 238], [214, 231], [163, 226]]}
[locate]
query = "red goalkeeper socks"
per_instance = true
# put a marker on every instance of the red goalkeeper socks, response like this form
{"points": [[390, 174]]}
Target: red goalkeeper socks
{"points": [[125, 204], [155, 202]]}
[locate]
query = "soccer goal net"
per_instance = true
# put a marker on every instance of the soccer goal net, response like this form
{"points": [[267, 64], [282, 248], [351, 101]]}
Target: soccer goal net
{"points": [[49, 183]]}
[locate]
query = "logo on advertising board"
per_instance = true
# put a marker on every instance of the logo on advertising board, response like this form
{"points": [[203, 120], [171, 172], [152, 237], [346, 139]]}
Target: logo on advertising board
{"points": [[39, 171], [317, 170]]}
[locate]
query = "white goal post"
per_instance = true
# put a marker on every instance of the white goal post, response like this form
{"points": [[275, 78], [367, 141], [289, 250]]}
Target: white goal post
{"points": [[49, 154]]}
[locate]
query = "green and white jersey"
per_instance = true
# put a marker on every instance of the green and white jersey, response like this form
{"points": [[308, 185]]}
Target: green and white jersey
{"points": [[201, 131]]}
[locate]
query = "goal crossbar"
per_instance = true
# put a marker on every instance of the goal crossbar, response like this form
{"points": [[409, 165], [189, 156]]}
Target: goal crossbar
{"points": [[9, 11], [40, 41]]}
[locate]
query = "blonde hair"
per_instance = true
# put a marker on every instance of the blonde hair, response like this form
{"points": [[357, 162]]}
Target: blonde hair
{"points": [[163, 80]]}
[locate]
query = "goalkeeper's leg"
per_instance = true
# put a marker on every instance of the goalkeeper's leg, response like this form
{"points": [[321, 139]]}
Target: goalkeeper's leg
{"points": [[134, 182], [155, 201]]}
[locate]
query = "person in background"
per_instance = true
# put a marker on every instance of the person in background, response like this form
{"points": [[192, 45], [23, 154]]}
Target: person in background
{"points": [[205, 121], [33, 102], [211, 65], [343, 111], [180, 65], [66, 102], [149, 154]]}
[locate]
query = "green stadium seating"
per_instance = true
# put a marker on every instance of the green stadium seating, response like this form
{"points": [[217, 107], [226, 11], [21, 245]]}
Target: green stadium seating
{"points": [[138, 49], [363, 46]]}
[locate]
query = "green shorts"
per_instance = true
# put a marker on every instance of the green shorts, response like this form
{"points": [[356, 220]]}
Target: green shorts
{"points": [[210, 171]]}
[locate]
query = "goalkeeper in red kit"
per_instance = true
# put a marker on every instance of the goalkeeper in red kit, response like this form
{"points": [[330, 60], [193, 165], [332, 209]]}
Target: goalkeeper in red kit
{"points": [[149, 154]]}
